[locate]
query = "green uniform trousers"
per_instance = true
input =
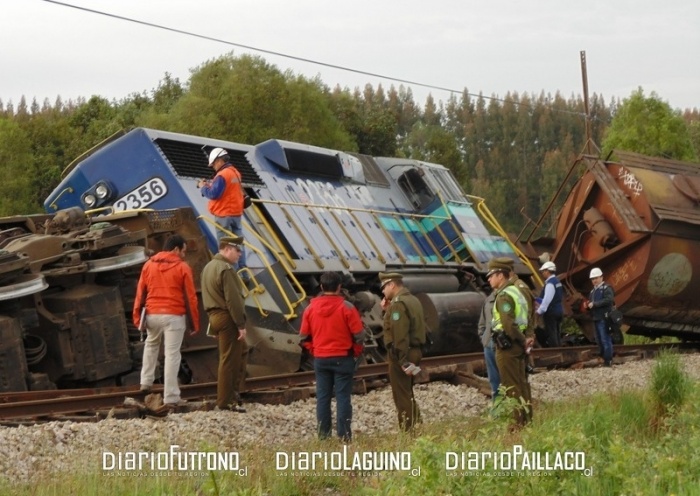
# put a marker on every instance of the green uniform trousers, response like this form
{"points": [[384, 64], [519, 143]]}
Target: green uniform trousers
{"points": [[511, 367], [233, 357], [402, 390]]}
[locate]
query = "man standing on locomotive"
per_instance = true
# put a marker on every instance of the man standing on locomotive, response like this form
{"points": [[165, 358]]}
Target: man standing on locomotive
{"points": [[222, 295], [512, 336], [404, 334], [600, 303], [225, 194]]}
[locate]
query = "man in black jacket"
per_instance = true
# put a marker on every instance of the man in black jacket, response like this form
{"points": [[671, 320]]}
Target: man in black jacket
{"points": [[600, 303]]}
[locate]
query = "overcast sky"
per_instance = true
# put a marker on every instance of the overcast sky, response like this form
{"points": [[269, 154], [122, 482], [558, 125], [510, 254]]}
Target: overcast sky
{"points": [[489, 46]]}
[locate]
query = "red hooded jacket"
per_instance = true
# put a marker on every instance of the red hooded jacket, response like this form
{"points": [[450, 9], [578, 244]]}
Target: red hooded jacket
{"points": [[331, 322], [167, 285]]}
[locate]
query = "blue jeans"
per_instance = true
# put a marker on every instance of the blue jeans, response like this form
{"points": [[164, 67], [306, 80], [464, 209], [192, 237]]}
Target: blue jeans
{"points": [[604, 340], [330, 372], [235, 225], [492, 369]]}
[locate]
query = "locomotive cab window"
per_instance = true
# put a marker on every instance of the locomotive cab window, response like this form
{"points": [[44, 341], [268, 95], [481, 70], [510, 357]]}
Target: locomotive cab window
{"points": [[415, 188]]}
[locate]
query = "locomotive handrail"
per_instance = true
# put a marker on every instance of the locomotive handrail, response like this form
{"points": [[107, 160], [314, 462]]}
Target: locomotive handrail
{"points": [[409, 238], [429, 241], [291, 305], [351, 210], [330, 239], [300, 289], [294, 225], [448, 243], [53, 204], [281, 249], [361, 255], [400, 254], [367, 237], [488, 217], [89, 152], [108, 208]]}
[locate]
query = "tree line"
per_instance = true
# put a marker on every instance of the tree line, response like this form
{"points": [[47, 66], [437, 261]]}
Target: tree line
{"points": [[513, 151]]}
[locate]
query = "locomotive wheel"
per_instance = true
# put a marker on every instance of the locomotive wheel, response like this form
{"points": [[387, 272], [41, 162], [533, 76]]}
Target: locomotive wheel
{"points": [[127, 257], [24, 285]]}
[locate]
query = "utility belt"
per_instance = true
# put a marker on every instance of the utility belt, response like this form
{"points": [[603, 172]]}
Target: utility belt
{"points": [[503, 342], [394, 352]]}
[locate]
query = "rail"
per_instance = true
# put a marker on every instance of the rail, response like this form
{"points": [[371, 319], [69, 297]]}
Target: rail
{"points": [[46, 404]]}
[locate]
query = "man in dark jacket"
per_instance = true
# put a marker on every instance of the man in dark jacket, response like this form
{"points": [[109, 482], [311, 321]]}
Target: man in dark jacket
{"points": [[331, 329], [600, 303], [551, 307]]}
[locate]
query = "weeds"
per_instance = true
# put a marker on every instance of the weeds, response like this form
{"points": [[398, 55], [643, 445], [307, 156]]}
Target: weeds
{"points": [[670, 385]]}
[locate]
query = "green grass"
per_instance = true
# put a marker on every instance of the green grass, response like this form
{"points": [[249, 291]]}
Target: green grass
{"points": [[629, 448]]}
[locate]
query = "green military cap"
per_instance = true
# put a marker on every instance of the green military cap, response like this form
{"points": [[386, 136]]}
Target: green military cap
{"points": [[500, 264], [387, 277], [232, 240], [505, 261]]}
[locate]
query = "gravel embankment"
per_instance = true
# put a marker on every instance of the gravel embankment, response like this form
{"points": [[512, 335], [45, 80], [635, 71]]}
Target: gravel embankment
{"points": [[29, 451]]}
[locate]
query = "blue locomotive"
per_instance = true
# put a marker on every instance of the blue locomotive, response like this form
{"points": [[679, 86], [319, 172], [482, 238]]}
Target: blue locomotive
{"points": [[313, 210]]}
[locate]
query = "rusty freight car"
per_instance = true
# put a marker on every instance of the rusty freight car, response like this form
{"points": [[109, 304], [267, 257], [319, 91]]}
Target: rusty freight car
{"points": [[638, 219]]}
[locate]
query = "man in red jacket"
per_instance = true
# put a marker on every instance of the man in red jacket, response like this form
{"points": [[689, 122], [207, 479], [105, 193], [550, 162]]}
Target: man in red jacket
{"points": [[166, 289], [332, 329]]}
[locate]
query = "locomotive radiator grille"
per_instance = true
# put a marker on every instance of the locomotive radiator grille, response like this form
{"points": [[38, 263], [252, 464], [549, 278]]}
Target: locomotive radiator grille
{"points": [[189, 160]]}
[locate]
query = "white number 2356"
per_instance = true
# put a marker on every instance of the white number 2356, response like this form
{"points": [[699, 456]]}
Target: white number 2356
{"points": [[142, 195]]}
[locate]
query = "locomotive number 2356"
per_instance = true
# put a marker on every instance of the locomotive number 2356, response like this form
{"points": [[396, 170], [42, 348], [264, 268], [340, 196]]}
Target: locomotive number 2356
{"points": [[142, 195]]}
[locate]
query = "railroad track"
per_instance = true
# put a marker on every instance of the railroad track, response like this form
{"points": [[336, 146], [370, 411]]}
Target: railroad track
{"points": [[94, 404]]}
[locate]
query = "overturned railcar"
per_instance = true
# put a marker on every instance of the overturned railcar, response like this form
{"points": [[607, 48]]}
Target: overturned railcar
{"points": [[638, 219], [313, 210], [66, 289]]}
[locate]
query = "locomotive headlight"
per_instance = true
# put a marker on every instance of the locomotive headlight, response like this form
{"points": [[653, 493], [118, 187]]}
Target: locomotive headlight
{"points": [[102, 191], [90, 200]]}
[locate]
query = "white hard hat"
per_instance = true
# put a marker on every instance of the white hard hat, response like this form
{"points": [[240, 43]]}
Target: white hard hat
{"points": [[548, 266], [596, 272], [216, 153]]}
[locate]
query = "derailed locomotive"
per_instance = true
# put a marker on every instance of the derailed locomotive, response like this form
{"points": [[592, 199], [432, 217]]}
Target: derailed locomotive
{"points": [[313, 210]]}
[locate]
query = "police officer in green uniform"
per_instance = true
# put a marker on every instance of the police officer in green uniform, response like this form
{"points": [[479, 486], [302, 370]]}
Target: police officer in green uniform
{"points": [[529, 298], [510, 327], [404, 334], [222, 296]]}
